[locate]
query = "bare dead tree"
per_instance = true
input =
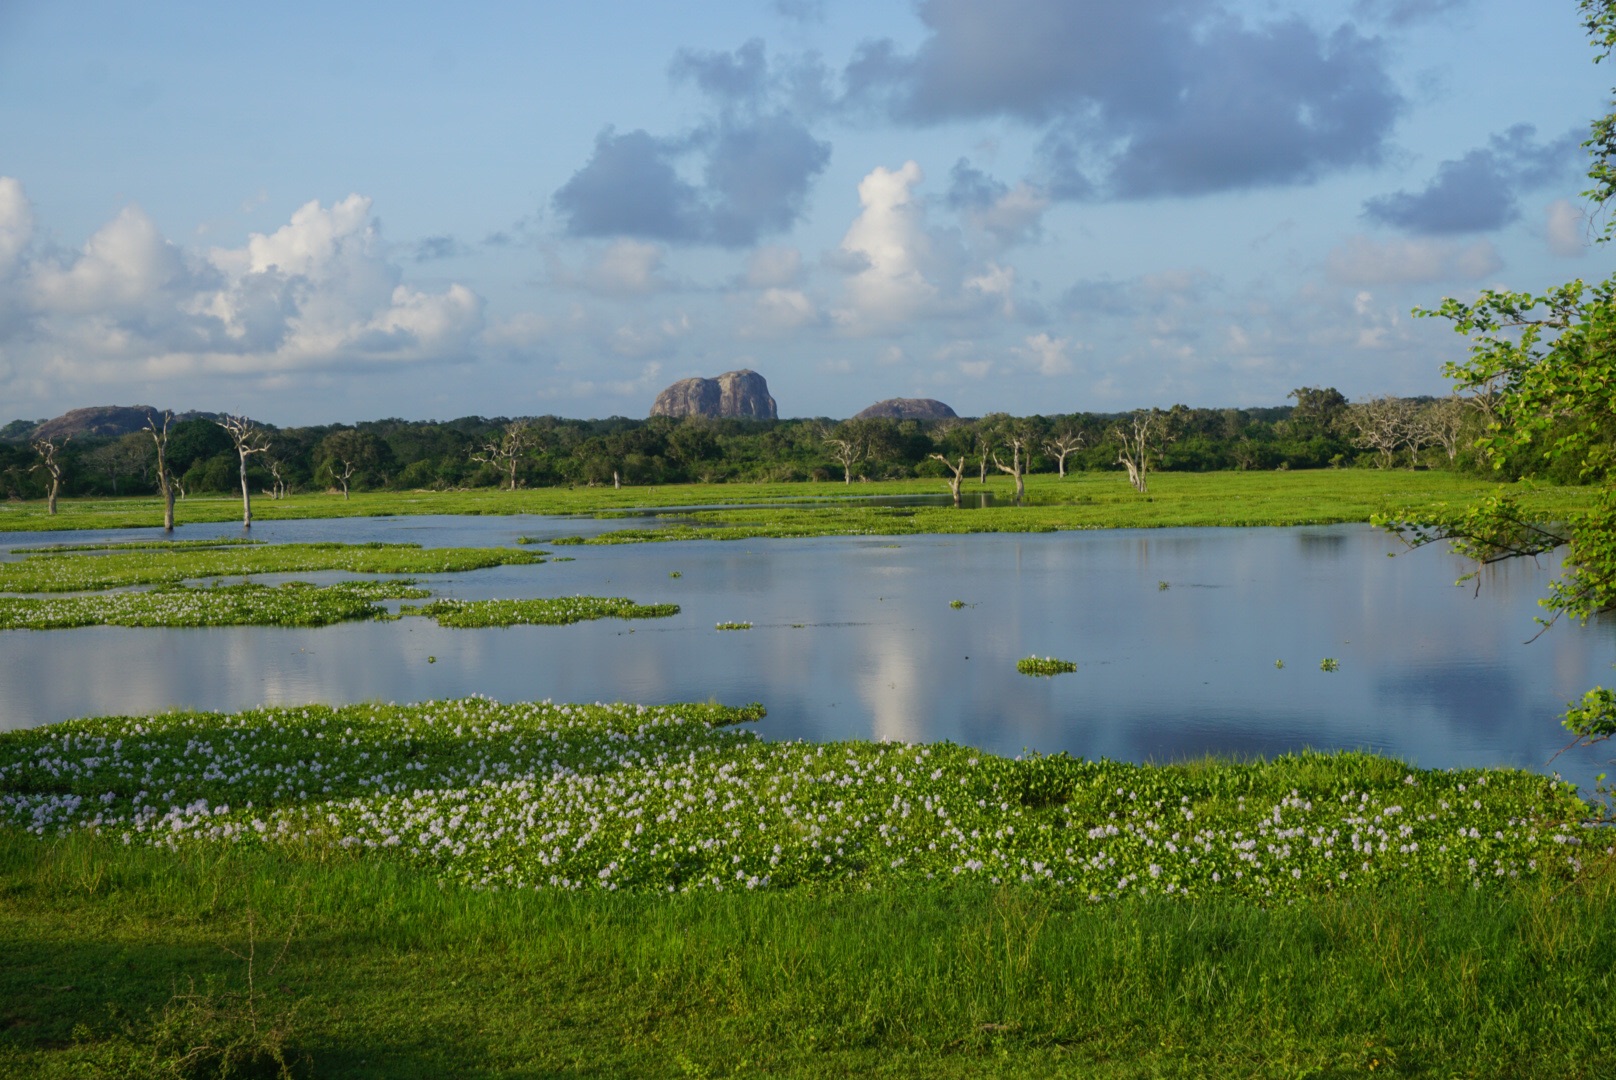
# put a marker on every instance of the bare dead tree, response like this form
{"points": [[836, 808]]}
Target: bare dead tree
{"points": [[1067, 442], [277, 489], [959, 473], [1382, 424], [984, 448], [849, 445], [1137, 441], [506, 452], [47, 451], [165, 483], [1446, 422], [249, 439], [1017, 444]]}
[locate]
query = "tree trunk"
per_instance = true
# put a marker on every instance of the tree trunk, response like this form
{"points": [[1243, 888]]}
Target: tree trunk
{"points": [[168, 506], [617, 482], [246, 496], [50, 500]]}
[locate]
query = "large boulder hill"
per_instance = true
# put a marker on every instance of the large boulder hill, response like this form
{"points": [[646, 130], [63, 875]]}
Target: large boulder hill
{"points": [[742, 393], [106, 420], [908, 408]]}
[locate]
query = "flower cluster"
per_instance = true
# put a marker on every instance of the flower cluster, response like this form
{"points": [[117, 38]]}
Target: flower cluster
{"points": [[294, 603], [676, 798]]}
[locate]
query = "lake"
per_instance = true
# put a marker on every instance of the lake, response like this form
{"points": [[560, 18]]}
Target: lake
{"points": [[855, 638]]}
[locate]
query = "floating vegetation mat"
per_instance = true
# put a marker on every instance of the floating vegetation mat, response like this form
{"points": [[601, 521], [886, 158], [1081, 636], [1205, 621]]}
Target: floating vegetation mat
{"points": [[1044, 665], [550, 612], [295, 603], [78, 572], [677, 798]]}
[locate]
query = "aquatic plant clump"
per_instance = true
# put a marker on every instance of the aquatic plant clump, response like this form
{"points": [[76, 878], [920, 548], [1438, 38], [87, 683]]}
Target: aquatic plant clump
{"points": [[1044, 665], [733, 626], [547, 612], [295, 603], [59, 572], [678, 798]]}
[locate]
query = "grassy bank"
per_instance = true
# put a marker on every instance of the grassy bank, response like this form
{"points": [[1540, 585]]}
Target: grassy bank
{"points": [[1082, 500], [123, 960], [474, 889]]}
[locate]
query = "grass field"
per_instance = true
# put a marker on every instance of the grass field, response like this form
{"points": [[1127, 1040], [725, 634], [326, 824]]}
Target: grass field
{"points": [[1083, 500]]}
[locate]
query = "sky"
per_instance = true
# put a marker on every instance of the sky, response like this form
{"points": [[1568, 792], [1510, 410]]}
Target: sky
{"points": [[326, 213]]}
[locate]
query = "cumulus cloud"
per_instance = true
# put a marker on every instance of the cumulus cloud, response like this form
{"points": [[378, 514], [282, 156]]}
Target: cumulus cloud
{"points": [[1481, 190], [755, 161], [991, 207], [889, 241], [1162, 97], [1050, 356], [317, 293], [16, 224], [1566, 229], [1362, 261]]}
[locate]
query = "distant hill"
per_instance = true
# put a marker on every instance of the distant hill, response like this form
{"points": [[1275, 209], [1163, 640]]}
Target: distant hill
{"points": [[908, 408], [99, 420]]}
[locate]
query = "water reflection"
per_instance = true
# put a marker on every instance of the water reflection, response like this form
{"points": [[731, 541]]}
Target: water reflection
{"points": [[855, 638]]}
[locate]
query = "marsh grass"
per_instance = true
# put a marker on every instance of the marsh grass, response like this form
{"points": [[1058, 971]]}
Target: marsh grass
{"points": [[1082, 500], [79, 572]]}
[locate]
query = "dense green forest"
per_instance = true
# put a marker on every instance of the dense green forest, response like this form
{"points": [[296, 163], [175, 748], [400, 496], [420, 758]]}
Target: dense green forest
{"points": [[1321, 430]]}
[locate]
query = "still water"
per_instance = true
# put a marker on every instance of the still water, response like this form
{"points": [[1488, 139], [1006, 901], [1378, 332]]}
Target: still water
{"points": [[855, 638]]}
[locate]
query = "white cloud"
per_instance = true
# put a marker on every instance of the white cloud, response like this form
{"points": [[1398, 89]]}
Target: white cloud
{"points": [[1050, 355], [627, 268], [996, 283], [1362, 261], [124, 267], [16, 224], [1565, 228], [319, 292], [779, 311], [889, 237], [1012, 218]]}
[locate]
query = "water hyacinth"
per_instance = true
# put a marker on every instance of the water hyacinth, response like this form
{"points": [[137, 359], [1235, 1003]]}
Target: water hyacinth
{"points": [[70, 572], [1044, 665], [555, 611], [679, 798], [295, 603]]}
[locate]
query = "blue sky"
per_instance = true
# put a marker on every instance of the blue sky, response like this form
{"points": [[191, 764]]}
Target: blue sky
{"points": [[327, 213]]}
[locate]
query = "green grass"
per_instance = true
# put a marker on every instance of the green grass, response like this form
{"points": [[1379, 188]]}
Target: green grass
{"points": [[1044, 665], [1082, 500], [70, 572], [294, 603], [387, 972], [557, 611]]}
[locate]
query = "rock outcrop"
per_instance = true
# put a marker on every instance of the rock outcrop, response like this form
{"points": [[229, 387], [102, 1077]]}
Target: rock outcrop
{"points": [[96, 420], [909, 408], [742, 393]]}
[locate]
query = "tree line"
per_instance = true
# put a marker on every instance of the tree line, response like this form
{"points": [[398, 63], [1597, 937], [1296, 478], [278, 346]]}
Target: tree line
{"points": [[1322, 429]]}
